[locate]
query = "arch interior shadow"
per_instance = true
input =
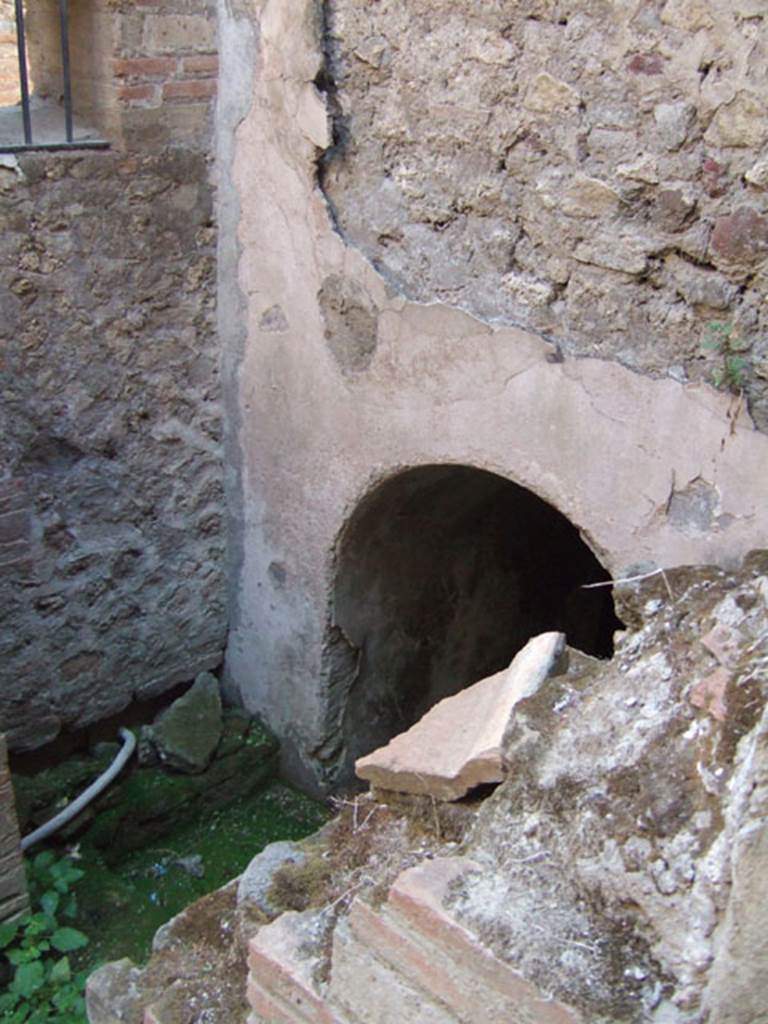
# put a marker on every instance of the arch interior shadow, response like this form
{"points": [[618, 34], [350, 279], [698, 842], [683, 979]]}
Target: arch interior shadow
{"points": [[443, 573]]}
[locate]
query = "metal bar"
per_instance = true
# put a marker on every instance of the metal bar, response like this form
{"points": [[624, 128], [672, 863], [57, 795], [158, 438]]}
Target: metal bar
{"points": [[65, 67], [21, 46], [39, 146]]}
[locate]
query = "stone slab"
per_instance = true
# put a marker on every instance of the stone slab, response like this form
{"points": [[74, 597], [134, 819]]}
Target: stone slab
{"points": [[458, 744]]}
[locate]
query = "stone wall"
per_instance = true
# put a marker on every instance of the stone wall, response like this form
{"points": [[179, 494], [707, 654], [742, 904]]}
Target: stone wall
{"points": [[13, 886], [111, 542], [592, 170]]}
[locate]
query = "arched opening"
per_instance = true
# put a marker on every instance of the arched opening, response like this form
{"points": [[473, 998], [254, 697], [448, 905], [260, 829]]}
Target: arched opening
{"points": [[443, 573]]}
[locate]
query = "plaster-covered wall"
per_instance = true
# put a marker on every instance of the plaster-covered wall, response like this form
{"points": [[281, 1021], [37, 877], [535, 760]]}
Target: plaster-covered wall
{"points": [[340, 379]]}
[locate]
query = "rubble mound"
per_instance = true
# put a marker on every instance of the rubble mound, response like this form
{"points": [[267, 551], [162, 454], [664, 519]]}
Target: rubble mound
{"points": [[613, 877]]}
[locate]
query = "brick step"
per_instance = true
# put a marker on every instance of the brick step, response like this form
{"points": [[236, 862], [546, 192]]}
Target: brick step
{"points": [[281, 989], [423, 944], [410, 961], [367, 989]]}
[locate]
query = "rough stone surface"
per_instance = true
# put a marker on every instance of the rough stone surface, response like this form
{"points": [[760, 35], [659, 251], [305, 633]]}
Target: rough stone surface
{"points": [[111, 569], [113, 995], [459, 743], [111, 533], [187, 733], [439, 186], [198, 974], [615, 877], [256, 880]]}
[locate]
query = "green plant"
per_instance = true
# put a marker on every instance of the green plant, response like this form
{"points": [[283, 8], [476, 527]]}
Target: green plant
{"points": [[725, 341], [44, 988]]}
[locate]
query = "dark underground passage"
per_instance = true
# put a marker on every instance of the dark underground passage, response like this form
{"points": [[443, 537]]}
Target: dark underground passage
{"points": [[443, 573]]}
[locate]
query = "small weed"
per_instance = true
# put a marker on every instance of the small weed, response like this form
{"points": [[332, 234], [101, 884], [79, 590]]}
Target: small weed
{"points": [[724, 340], [44, 989]]}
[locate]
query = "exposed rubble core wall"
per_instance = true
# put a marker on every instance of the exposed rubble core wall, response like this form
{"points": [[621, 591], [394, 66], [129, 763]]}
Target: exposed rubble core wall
{"points": [[111, 507], [341, 380], [593, 170]]}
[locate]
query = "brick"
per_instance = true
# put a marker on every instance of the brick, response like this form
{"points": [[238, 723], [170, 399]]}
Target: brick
{"points": [[268, 1007], [13, 895], [278, 967], [418, 897], [170, 33], [195, 89], [208, 64], [145, 67], [365, 987], [136, 93]]}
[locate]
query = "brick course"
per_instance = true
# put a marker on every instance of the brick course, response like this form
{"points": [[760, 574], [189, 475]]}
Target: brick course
{"points": [[13, 889]]}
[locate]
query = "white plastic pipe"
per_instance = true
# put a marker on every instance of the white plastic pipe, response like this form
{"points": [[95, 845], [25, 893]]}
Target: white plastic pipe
{"points": [[77, 805]]}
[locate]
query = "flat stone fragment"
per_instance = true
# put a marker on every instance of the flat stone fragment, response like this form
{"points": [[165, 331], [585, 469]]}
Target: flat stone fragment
{"points": [[458, 744]]}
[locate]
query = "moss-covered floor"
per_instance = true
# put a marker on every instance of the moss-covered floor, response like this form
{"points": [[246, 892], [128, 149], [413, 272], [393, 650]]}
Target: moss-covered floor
{"points": [[122, 905]]}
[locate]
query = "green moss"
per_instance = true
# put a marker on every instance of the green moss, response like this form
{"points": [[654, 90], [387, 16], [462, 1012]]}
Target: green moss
{"points": [[300, 886], [39, 797], [122, 904]]}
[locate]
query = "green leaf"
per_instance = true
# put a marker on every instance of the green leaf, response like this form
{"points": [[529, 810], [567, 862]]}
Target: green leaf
{"points": [[65, 871], [70, 907], [43, 860], [8, 932], [28, 979], [49, 901], [23, 956], [7, 1001], [60, 972], [38, 924], [67, 939], [711, 345]]}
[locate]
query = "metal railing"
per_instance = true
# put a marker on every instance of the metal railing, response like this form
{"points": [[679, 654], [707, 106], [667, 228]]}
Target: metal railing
{"points": [[69, 140]]}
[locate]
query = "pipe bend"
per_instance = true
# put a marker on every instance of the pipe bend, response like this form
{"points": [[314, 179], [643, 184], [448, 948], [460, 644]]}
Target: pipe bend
{"points": [[88, 794]]}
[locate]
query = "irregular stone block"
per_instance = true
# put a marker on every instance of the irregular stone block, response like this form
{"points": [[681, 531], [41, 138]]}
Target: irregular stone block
{"points": [[547, 94], [673, 121], [741, 237], [458, 744], [757, 175], [742, 122], [186, 734], [257, 878], [588, 197], [113, 995]]}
